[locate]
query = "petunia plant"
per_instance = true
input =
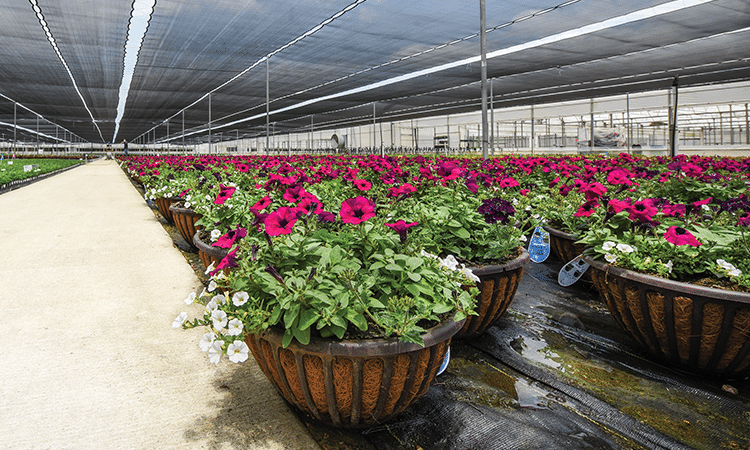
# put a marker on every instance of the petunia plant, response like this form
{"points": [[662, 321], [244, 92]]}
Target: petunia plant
{"points": [[342, 273], [696, 242]]}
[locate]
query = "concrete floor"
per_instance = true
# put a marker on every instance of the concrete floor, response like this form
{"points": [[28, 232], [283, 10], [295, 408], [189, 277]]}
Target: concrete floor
{"points": [[89, 286]]}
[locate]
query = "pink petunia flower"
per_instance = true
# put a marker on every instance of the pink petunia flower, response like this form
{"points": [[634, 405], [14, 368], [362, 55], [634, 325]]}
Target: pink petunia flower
{"points": [[357, 210], [680, 236], [400, 227], [225, 193], [281, 221]]}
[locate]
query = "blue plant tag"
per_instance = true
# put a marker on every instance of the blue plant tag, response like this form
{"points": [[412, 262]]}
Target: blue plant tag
{"points": [[539, 245], [446, 360], [572, 271]]}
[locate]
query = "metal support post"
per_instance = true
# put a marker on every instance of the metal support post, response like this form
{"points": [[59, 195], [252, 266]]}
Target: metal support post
{"points": [[673, 131], [483, 67]]}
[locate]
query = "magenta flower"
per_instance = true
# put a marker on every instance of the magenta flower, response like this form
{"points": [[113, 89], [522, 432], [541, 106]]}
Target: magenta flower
{"points": [[619, 176], [617, 206], [400, 227], [363, 185], [228, 240], [357, 210], [642, 211], [587, 208], [225, 193], [262, 204], [294, 194], [674, 210], [281, 221], [227, 262], [681, 236], [594, 190]]}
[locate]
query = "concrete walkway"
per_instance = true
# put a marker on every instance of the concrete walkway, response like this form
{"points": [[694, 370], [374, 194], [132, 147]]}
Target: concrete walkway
{"points": [[89, 286]]}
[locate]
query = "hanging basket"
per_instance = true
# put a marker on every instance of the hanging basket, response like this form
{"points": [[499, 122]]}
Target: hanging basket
{"points": [[695, 328], [208, 253], [352, 384], [497, 288], [184, 220], [163, 204]]}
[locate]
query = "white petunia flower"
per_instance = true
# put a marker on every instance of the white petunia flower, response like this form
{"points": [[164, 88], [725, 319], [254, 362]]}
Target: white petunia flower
{"points": [[611, 258], [240, 298], [669, 265], [211, 306], [190, 299], [211, 284], [187, 204], [625, 248], [609, 245], [238, 352], [215, 234], [428, 255], [220, 299], [203, 293], [449, 262], [219, 318], [729, 267], [235, 327], [179, 320], [206, 341], [469, 274], [214, 353]]}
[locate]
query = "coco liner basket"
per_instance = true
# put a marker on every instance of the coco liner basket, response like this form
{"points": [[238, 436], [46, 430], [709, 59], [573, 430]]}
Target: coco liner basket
{"points": [[497, 287], [352, 384], [207, 252], [184, 220], [163, 204], [695, 328]]}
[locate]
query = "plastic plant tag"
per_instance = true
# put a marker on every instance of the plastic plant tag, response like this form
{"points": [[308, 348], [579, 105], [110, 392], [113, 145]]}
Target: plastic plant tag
{"points": [[572, 271], [446, 360], [539, 245]]}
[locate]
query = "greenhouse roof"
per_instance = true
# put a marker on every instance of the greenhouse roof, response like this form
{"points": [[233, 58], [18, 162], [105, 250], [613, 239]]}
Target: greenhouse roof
{"points": [[107, 71]]}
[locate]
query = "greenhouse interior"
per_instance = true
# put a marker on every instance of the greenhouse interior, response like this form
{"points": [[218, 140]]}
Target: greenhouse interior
{"points": [[394, 225]]}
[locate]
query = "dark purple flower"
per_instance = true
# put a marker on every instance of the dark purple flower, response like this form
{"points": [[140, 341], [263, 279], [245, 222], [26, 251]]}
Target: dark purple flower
{"points": [[270, 269], [400, 227], [496, 210]]}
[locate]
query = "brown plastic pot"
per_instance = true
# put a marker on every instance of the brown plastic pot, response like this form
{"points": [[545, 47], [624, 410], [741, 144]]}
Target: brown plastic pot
{"points": [[184, 220], [208, 253], [352, 384], [163, 204], [695, 328], [497, 287]]}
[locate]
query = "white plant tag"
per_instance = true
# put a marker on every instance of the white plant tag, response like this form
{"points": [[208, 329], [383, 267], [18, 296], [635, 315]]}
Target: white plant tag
{"points": [[572, 271], [539, 245], [446, 360]]}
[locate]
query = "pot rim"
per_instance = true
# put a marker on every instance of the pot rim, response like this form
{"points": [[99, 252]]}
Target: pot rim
{"points": [[366, 347], [671, 285], [561, 234], [208, 248], [518, 262], [178, 209]]}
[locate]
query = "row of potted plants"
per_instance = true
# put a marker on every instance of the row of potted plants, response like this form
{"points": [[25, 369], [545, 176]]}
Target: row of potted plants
{"points": [[345, 248]]}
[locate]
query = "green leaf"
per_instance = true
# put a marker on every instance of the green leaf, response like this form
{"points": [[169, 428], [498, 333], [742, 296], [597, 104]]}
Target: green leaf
{"points": [[291, 316], [394, 267], [442, 308], [414, 276], [461, 233], [357, 319], [303, 336], [307, 318], [288, 336]]}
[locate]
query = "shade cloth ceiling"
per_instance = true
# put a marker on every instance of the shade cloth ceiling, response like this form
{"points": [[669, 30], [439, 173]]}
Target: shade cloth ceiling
{"points": [[331, 61]]}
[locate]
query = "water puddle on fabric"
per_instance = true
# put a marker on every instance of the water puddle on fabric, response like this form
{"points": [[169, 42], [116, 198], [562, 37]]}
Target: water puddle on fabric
{"points": [[537, 350]]}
